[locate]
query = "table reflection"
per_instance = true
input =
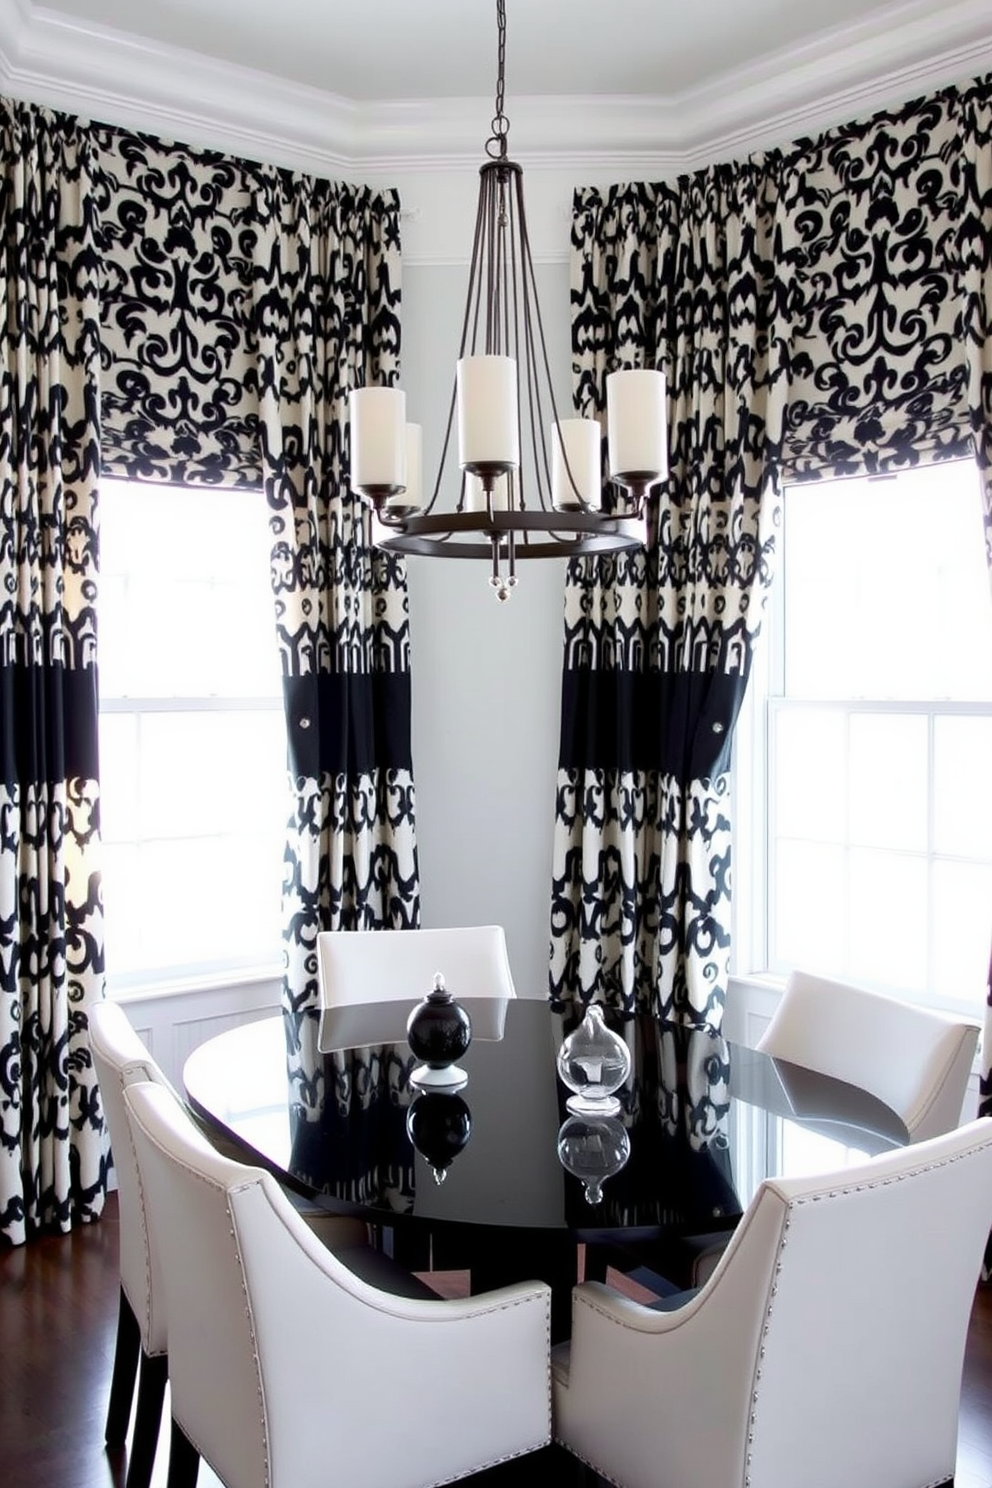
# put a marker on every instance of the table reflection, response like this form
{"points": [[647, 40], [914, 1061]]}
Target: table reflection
{"points": [[327, 1102], [439, 1124], [592, 1149], [675, 1107]]}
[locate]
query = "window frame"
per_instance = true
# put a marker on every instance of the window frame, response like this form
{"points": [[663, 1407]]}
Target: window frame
{"points": [[225, 970], [752, 774]]}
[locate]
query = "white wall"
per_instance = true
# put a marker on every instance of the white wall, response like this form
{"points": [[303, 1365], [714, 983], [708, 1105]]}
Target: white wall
{"points": [[486, 675]]}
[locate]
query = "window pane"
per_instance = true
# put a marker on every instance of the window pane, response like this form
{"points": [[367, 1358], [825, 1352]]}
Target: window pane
{"points": [[208, 772], [809, 906], [888, 767], [809, 774], [118, 776], [887, 907], [210, 899], [886, 587], [962, 784], [879, 803], [962, 910], [194, 788], [122, 908], [176, 566]]}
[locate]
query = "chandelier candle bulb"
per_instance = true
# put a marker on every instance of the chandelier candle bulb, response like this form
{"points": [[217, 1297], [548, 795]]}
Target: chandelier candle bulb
{"points": [[577, 442], [378, 439], [412, 498], [636, 424], [488, 431]]}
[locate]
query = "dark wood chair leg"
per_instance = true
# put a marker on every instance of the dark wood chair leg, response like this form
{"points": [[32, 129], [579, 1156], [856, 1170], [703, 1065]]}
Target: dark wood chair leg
{"points": [[184, 1460], [126, 1352], [151, 1393]]}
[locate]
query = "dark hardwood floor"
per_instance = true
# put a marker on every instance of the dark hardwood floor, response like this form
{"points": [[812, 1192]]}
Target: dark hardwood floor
{"points": [[58, 1316]]}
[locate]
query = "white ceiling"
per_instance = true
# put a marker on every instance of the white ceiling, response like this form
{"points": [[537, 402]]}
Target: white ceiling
{"points": [[338, 83], [389, 49]]}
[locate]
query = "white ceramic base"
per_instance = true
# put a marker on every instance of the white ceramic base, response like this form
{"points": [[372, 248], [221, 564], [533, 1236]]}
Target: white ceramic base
{"points": [[602, 1105], [451, 1077]]}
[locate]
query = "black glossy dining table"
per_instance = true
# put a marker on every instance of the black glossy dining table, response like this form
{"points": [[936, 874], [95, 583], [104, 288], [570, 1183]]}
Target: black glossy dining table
{"points": [[498, 1177]]}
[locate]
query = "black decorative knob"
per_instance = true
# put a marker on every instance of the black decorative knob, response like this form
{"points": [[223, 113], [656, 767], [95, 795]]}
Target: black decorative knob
{"points": [[439, 1029]]}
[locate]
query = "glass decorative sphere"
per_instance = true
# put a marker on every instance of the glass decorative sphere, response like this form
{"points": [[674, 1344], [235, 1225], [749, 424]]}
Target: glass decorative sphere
{"points": [[592, 1149], [593, 1062]]}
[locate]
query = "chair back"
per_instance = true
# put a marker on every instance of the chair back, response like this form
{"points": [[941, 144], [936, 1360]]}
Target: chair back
{"points": [[915, 1060], [867, 1280], [120, 1058], [213, 1370], [287, 1370], [356, 966], [826, 1347]]}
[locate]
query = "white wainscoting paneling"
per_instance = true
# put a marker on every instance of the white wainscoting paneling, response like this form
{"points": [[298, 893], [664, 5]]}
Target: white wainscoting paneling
{"points": [[173, 1024]]}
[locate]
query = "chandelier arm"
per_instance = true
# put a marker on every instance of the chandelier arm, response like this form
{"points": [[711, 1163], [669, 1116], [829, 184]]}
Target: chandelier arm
{"points": [[495, 296], [476, 267], [513, 328], [508, 267]]}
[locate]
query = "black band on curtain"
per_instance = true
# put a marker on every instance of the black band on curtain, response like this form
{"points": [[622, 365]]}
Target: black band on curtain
{"points": [[348, 723], [48, 725], [679, 724]]}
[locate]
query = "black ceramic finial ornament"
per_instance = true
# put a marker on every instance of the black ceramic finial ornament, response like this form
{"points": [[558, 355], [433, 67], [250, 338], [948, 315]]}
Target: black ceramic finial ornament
{"points": [[439, 1031], [439, 1124]]}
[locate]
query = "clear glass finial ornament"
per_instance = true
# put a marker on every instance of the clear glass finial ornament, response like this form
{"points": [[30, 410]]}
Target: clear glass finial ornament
{"points": [[593, 1062], [592, 1149]]}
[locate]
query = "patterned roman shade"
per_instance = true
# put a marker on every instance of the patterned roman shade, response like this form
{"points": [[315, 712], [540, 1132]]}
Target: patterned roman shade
{"points": [[179, 394]]}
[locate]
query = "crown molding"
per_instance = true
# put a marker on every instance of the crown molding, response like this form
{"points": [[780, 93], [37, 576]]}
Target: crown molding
{"points": [[905, 49]]}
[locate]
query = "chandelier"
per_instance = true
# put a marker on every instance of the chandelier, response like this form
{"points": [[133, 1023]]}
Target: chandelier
{"points": [[560, 507]]}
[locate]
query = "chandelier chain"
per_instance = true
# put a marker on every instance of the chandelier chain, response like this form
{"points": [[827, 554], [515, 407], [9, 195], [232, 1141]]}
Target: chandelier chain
{"points": [[497, 141]]}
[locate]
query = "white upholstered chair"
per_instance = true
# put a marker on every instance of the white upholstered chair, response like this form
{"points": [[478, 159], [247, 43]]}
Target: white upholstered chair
{"points": [[357, 966], [287, 1371], [118, 1057], [915, 1060], [825, 1349]]}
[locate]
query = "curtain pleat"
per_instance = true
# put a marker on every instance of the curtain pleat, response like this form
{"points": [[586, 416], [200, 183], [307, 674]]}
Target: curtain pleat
{"points": [[326, 318], [53, 1149]]}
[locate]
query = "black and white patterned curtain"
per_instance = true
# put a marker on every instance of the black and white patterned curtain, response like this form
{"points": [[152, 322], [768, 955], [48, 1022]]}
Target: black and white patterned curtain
{"points": [[241, 303], [327, 292], [52, 1144], [174, 315], [975, 240], [658, 645], [819, 310]]}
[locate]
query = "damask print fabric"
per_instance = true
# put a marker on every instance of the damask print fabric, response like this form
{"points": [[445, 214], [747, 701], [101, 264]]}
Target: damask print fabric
{"points": [[218, 312], [658, 646], [240, 304], [53, 1151], [823, 309], [326, 311], [179, 397], [976, 265]]}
